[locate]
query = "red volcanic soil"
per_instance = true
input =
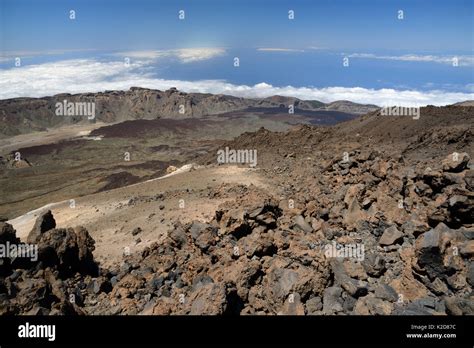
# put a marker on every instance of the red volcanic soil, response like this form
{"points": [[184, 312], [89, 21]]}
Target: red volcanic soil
{"points": [[46, 149], [136, 128]]}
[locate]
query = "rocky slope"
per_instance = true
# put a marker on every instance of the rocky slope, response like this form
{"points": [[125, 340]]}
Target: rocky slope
{"points": [[373, 216], [465, 103], [23, 115]]}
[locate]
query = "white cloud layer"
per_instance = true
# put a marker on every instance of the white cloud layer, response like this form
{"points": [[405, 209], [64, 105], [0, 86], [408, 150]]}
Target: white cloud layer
{"points": [[462, 60], [89, 75]]}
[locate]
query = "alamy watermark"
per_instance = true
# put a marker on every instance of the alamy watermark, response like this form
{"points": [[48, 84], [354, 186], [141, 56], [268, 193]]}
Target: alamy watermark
{"points": [[353, 251], [12, 251], [412, 111], [37, 331], [237, 156], [75, 109]]}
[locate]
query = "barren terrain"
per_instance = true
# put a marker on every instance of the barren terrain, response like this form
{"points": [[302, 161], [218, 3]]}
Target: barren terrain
{"points": [[174, 232]]}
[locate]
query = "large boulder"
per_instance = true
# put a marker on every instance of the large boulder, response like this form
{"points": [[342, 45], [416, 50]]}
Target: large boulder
{"points": [[371, 305], [459, 306], [206, 299], [251, 212], [391, 236], [204, 235], [7, 236], [332, 300], [430, 248], [68, 250], [461, 208], [7, 233], [455, 162], [284, 278], [44, 222]]}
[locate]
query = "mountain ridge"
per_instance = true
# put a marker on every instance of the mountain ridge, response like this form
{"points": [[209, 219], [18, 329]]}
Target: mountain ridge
{"points": [[24, 115]]}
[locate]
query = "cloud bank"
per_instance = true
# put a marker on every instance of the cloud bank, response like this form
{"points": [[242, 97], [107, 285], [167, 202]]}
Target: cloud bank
{"points": [[462, 60], [90, 75]]}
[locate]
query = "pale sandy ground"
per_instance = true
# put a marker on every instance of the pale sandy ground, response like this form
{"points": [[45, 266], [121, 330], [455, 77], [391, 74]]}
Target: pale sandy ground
{"points": [[110, 220], [47, 137]]}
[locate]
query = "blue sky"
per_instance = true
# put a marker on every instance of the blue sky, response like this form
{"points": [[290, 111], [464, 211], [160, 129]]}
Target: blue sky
{"points": [[145, 24], [301, 56]]}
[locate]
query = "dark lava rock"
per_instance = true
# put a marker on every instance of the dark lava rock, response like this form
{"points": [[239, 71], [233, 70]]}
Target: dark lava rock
{"points": [[44, 222], [69, 250], [7, 233]]}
